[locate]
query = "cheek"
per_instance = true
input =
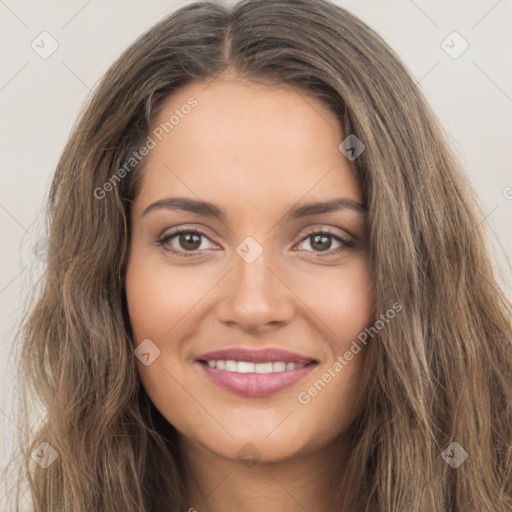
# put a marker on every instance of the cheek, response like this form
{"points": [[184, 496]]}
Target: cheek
{"points": [[342, 300], [346, 307], [352, 304], [159, 298], [158, 301]]}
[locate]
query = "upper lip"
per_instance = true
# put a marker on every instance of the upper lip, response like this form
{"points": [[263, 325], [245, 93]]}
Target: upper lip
{"points": [[255, 356]]}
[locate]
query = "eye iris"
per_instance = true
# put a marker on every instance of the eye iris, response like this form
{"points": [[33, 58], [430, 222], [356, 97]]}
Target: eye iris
{"points": [[323, 245], [186, 241]]}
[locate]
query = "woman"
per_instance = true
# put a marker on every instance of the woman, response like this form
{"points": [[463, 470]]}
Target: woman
{"points": [[267, 284]]}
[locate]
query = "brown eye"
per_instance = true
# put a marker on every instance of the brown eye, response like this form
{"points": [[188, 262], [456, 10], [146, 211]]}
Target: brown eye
{"points": [[189, 241], [321, 242], [184, 242]]}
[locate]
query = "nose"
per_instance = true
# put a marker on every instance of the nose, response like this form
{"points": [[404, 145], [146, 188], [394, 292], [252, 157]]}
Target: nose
{"points": [[255, 296]]}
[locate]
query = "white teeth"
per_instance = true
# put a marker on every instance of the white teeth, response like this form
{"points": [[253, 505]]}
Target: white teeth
{"points": [[248, 367], [279, 367], [244, 367], [263, 368], [231, 366]]}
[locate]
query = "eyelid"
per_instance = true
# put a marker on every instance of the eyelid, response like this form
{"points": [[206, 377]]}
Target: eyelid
{"points": [[310, 230], [166, 235], [332, 230]]}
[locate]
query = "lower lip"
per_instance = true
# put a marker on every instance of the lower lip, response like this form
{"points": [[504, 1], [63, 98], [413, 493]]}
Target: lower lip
{"points": [[256, 384]]}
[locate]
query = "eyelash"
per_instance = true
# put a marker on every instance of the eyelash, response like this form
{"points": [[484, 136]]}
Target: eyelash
{"points": [[164, 239]]}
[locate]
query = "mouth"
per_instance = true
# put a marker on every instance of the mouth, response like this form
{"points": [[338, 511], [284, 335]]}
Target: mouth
{"points": [[255, 373]]}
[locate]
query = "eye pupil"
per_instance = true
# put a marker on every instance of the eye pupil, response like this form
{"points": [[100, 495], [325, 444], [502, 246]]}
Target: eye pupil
{"points": [[186, 239]]}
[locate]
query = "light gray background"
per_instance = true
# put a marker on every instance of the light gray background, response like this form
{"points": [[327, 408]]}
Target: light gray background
{"points": [[40, 100]]}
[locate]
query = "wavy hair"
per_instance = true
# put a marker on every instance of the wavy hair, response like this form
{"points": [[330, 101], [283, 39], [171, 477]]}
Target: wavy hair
{"points": [[440, 372]]}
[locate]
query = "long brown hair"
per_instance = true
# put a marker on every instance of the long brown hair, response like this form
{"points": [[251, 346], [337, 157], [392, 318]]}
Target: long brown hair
{"points": [[441, 372]]}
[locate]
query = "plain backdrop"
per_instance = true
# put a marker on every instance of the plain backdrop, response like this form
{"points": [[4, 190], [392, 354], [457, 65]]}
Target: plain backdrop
{"points": [[41, 98]]}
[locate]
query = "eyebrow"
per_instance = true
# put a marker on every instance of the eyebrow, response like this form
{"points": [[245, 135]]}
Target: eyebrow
{"points": [[208, 209]]}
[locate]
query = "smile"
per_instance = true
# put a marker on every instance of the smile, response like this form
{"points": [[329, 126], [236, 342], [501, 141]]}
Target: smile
{"points": [[255, 373]]}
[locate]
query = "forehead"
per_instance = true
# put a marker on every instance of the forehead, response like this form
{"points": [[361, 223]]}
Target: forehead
{"points": [[241, 138]]}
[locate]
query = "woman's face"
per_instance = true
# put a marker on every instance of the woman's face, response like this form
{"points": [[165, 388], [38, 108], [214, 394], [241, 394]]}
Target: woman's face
{"points": [[243, 316]]}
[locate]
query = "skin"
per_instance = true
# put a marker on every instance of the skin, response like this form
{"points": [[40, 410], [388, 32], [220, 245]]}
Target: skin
{"points": [[255, 150]]}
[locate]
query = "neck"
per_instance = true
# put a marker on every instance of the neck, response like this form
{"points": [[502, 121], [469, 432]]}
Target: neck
{"points": [[306, 482]]}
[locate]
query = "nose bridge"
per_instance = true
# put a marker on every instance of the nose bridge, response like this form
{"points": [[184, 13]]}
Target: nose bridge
{"points": [[254, 295], [253, 275]]}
